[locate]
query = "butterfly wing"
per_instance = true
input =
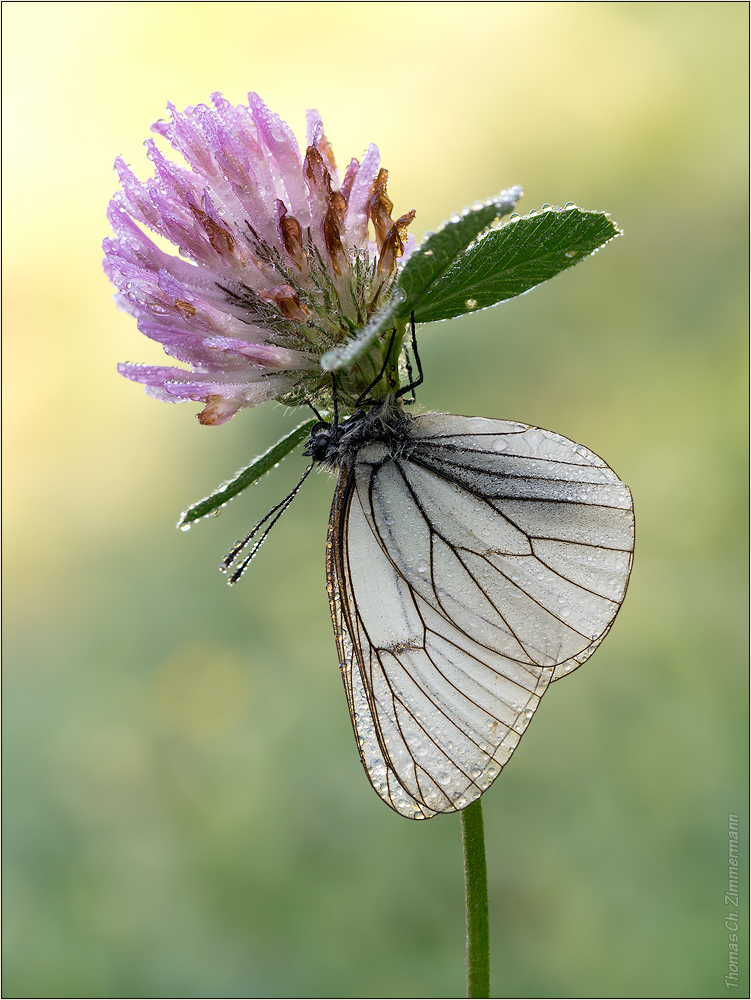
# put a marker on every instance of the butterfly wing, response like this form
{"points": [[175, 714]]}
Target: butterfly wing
{"points": [[463, 577]]}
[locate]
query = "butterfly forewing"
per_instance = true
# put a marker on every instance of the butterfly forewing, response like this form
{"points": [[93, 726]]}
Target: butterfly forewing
{"points": [[464, 576]]}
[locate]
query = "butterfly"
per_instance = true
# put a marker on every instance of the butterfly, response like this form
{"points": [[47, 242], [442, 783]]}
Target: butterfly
{"points": [[470, 562]]}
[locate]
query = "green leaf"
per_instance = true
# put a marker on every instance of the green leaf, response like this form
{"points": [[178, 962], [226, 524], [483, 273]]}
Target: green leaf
{"points": [[257, 468], [439, 250], [514, 257], [425, 265]]}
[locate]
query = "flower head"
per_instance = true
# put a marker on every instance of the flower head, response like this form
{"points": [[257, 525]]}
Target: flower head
{"points": [[281, 258]]}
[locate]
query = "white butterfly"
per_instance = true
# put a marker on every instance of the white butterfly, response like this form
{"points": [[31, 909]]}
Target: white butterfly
{"points": [[470, 562]]}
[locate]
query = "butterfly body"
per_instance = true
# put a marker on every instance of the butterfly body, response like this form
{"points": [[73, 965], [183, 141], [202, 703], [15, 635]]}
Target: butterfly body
{"points": [[470, 562], [338, 444]]}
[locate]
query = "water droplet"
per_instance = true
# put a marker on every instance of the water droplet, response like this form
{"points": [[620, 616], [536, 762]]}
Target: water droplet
{"points": [[427, 253], [570, 253], [422, 567], [471, 303], [580, 449], [514, 215], [545, 207], [184, 527], [499, 444], [475, 771], [568, 205]]}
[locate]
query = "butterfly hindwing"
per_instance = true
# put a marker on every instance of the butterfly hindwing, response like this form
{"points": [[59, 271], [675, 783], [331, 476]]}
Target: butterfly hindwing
{"points": [[464, 576]]}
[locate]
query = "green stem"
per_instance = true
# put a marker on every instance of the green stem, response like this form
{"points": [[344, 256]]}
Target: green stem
{"points": [[476, 891]]}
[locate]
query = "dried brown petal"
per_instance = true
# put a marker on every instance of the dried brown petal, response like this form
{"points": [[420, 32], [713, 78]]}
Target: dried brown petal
{"points": [[380, 206], [218, 233], [393, 245], [333, 240], [218, 410], [290, 231], [327, 153], [338, 203], [185, 309], [287, 301], [315, 172]]}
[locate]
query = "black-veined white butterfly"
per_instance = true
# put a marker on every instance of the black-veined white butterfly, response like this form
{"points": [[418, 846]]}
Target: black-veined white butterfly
{"points": [[470, 562]]}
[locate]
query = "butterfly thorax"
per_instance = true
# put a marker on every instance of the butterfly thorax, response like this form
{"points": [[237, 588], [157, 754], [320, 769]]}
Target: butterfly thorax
{"points": [[337, 444]]}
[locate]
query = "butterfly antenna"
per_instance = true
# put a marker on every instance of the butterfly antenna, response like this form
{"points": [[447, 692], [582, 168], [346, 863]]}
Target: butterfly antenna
{"points": [[412, 385], [238, 547], [359, 402]]}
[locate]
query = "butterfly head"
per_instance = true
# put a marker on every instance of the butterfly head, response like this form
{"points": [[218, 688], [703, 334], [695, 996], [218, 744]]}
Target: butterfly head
{"points": [[323, 443]]}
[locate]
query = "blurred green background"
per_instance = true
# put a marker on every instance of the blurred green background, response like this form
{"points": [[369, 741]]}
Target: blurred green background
{"points": [[185, 812]]}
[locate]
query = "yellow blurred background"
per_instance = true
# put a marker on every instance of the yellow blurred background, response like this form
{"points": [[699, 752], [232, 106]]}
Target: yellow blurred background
{"points": [[185, 812]]}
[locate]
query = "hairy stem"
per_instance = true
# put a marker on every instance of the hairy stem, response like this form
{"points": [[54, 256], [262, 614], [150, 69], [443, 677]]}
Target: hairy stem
{"points": [[476, 893]]}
